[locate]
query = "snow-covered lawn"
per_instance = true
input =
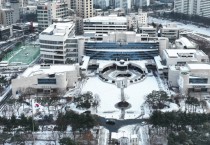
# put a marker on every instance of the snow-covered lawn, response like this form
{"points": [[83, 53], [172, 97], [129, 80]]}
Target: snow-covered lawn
{"points": [[110, 95]]}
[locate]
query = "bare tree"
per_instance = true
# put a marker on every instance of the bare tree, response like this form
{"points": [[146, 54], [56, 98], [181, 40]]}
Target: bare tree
{"points": [[96, 102]]}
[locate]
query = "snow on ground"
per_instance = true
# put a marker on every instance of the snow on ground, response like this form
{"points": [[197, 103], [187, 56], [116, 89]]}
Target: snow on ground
{"points": [[193, 28], [110, 95]]}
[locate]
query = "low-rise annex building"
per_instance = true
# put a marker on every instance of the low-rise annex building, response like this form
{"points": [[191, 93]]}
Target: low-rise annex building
{"points": [[46, 78], [194, 77], [173, 59]]}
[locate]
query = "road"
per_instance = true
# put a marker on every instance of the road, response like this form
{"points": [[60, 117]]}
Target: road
{"points": [[5, 96], [119, 123]]}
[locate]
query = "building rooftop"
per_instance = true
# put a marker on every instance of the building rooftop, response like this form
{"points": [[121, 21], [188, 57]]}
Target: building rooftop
{"points": [[198, 66], [177, 53], [47, 69], [185, 42], [110, 18], [58, 29]]}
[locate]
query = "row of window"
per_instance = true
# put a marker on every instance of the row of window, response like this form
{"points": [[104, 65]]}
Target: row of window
{"points": [[51, 42], [46, 81], [104, 55], [198, 80]]}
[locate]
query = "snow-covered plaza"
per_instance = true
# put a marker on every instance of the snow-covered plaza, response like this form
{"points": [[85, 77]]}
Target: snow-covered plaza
{"points": [[110, 95]]}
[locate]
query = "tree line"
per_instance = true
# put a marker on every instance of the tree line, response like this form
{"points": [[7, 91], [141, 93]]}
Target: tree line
{"points": [[203, 21], [183, 128], [22, 124]]}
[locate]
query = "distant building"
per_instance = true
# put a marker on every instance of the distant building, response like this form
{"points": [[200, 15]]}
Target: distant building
{"points": [[124, 4], [84, 8], [137, 21], [166, 1], [48, 11], [151, 31], [104, 24], [15, 5], [102, 3], [46, 78], [141, 3], [5, 33], [170, 31], [7, 16], [184, 43], [193, 7]]}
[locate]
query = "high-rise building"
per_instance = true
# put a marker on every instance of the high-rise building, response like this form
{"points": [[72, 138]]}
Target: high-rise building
{"points": [[84, 8], [141, 3], [72, 4], [6, 16], [46, 12], [125, 4], [102, 3], [15, 5], [193, 7], [112, 3]]}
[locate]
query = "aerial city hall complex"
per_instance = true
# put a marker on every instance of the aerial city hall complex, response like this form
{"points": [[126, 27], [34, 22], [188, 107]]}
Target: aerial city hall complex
{"points": [[105, 72]]}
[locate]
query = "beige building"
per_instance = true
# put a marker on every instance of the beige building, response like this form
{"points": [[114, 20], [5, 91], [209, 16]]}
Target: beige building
{"points": [[6, 16], [48, 11], [46, 78], [84, 8]]}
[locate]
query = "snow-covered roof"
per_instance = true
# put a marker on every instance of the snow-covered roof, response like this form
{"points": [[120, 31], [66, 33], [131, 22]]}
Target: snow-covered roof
{"points": [[198, 66], [58, 29], [176, 52], [186, 42], [111, 18], [158, 62], [85, 60], [52, 69]]}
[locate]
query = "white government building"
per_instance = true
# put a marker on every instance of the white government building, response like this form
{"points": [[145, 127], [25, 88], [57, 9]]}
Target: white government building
{"points": [[188, 69], [194, 77], [104, 24], [46, 78]]}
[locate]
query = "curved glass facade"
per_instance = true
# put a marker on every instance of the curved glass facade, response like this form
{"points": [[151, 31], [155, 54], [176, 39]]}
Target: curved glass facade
{"points": [[107, 51]]}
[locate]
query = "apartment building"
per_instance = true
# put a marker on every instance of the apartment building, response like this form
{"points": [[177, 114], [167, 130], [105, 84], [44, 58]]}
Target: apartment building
{"points": [[193, 7], [15, 5], [6, 16], [137, 21], [124, 4], [141, 3], [102, 3], [48, 11], [84, 8]]}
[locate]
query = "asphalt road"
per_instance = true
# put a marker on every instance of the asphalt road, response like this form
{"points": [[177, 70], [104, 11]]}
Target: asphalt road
{"points": [[119, 123]]}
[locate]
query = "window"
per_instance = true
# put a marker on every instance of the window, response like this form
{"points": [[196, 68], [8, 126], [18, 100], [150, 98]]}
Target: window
{"points": [[198, 80], [46, 81]]}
